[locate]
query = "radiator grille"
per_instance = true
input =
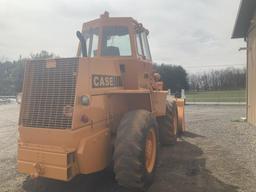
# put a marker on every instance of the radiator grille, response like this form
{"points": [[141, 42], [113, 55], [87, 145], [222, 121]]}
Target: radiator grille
{"points": [[49, 90]]}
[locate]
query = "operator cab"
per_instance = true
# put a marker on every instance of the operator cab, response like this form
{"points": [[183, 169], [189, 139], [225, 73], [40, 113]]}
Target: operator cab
{"points": [[113, 37]]}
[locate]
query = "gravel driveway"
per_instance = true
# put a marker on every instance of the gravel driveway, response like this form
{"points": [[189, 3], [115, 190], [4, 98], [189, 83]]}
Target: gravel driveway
{"points": [[217, 154]]}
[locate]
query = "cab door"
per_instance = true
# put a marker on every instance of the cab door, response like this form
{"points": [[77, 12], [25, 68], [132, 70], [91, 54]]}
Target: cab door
{"points": [[144, 56]]}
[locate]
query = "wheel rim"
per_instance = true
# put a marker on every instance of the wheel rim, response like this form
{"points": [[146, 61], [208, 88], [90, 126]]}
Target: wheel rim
{"points": [[150, 150]]}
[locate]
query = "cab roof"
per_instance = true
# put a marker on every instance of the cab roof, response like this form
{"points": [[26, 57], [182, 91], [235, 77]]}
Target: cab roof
{"points": [[106, 20]]}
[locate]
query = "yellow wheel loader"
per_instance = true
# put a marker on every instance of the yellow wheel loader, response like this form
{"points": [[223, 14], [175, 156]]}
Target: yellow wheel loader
{"points": [[105, 106]]}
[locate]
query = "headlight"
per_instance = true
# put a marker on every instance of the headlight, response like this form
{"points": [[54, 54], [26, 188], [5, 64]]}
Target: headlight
{"points": [[85, 100]]}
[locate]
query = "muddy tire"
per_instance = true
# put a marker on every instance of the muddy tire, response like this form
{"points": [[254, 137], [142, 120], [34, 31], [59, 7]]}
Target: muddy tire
{"points": [[168, 124], [136, 150]]}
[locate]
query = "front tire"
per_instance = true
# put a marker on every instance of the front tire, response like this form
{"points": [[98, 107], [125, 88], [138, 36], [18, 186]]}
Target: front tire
{"points": [[168, 124], [136, 150]]}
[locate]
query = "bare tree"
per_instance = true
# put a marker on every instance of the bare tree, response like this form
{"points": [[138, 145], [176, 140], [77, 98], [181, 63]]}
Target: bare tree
{"points": [[227, 79]]}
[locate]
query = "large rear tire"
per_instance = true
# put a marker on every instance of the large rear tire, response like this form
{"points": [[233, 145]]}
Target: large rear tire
{"points": [[168, 124], [136, 150]]}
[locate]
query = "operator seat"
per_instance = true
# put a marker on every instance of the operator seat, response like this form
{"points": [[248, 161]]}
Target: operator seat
{"points": [[110, 51]]}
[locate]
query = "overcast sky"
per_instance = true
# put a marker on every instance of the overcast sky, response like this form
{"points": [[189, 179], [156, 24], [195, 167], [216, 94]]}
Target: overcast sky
{"points": [[193, 33]]}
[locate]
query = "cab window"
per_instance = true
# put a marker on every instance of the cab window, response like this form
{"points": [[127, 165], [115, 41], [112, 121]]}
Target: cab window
{"points": [[142, 45], [91, 37], [93, 45], [139, 46], [116, 41], [145, 45]]}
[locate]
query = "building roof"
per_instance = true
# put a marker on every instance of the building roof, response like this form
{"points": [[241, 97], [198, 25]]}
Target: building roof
{"points": [[245, 14]]}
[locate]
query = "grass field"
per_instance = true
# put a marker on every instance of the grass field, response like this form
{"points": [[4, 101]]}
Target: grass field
{"points": [[217, 96]]}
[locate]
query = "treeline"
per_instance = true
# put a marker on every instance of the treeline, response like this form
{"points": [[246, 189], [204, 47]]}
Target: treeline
{"points": [[11, 77], [11, 73], [227, 79], [174, 77]]}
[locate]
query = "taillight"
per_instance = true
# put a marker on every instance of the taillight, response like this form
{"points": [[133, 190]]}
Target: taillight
{"points": [[84, 119]]}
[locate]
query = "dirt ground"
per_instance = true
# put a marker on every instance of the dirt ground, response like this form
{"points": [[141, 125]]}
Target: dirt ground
{"points": [[217, 154]]}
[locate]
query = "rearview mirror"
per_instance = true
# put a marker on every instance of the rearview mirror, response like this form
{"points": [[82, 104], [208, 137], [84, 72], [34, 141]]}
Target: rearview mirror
{"points": [[79, 35], [82, 42]]}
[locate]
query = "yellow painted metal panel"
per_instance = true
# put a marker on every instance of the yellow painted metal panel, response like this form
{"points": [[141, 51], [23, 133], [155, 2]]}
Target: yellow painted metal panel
{"points": [[251, 111]]}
